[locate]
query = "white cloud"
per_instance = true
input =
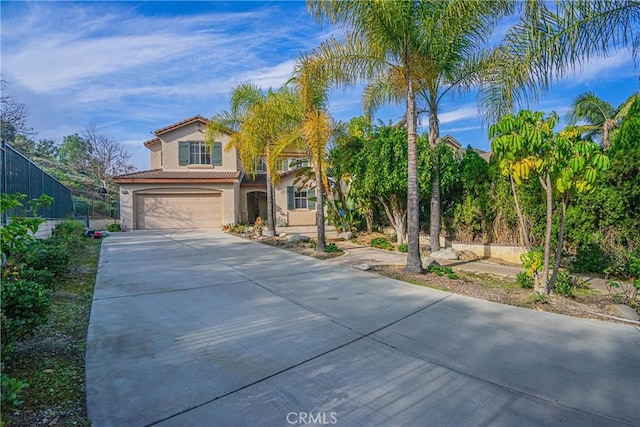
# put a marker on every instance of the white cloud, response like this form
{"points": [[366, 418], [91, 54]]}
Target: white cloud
{"points": [[598, 69], [467, 111]]}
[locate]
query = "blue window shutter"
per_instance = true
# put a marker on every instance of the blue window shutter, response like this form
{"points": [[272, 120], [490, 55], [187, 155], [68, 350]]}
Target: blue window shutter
{"points": [[183, 153], [216, 154], [311, 193], [290, 202]]}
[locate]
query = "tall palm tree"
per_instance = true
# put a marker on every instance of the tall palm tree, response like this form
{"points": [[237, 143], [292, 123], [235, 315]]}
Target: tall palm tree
{"points": [[551, 40], [425, 47], [257, 123], [600, 119], [316, 128]]}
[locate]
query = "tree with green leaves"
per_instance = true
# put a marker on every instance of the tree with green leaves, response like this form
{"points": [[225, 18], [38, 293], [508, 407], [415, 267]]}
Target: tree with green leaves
{"points": [[563, 163], [406, 48], [599, 119]]}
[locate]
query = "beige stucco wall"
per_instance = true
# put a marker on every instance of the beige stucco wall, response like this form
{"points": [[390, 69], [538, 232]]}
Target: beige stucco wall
{"points": [[155, 151], [296, 216], [193, 132], [230, 205]]}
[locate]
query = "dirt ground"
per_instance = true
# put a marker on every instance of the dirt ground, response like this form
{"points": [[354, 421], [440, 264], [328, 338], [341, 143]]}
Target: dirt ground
{"points": [[585, 303]]}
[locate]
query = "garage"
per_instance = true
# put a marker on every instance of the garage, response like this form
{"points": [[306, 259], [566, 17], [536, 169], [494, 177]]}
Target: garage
{"points": [[170, 211]]}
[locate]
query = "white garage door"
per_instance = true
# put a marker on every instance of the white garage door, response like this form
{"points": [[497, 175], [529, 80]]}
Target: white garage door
{"points": [[162, 211]]}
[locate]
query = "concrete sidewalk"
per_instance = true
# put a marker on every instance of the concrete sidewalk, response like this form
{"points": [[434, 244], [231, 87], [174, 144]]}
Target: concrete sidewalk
{"points": [[201, 328]]}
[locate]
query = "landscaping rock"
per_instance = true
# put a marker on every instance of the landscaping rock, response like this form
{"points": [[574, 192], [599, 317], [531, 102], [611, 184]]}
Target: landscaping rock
{"points": [[467, 256], [429, 262], [363, 267], [282, 235], [347, 235], [425, 248], [567, 261], [447, 253], [624, 311], [298, 238]]}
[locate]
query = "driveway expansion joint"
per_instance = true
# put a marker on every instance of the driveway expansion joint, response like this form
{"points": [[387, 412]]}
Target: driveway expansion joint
{"points": [[310, 359]]}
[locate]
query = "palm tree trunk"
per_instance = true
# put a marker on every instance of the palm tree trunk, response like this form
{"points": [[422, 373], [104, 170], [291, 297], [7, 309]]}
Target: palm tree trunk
{"points": [[414, 263], [556, 265], [271, 224], [434, 137], [319, 206], [523, 226]]}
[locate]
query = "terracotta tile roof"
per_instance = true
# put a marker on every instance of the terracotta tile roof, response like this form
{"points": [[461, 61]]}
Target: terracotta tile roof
{"points": [[195, 119], [260, 179], [150, 142], [188, 176]]}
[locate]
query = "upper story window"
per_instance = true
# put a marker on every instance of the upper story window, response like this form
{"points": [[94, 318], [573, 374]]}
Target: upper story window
{"points": [[282, 165], [199, 153], [261, 166]]}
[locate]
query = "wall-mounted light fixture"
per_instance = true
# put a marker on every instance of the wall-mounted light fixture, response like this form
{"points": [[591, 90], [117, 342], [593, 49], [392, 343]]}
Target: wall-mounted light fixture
{"points": [[125, 192]]}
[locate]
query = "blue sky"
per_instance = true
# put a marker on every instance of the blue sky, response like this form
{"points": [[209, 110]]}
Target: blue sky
{"points": [[131, 67]]}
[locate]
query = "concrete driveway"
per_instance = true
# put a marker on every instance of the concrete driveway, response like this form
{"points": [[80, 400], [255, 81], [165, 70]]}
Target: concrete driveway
{"points": [[199, 328]]}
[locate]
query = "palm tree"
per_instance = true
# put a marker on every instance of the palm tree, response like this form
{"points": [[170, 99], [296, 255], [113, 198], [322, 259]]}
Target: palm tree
{"points": [[258, 123], [316, 128], [551, 40], [599, 118], [424, 48]]}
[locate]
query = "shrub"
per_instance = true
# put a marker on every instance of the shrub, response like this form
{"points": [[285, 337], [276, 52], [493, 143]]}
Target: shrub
{"points": [[16, 235], [11, 389], [564, 284], [48, 255], [69, 234], [403, 247], [442, 271], [332, 247], [591, 259], [44, 277], [114, 227], [25, 306], [537, 298], [524, 280], [381, 243]]}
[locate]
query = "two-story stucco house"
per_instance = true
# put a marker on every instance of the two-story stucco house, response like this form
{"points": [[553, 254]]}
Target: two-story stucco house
{"points": [[192, 185]]}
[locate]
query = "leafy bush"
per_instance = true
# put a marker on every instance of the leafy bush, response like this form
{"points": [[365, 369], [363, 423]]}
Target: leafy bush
{"points": [[69, 234], [11, 389], [403, 247], [332, 247], [113, 227], [44, 277], [17, 234], [25, 306], [381, 243], [537, 298], [524, 280], [590, 258], [564, 284], [442, 271], [48, 255]]}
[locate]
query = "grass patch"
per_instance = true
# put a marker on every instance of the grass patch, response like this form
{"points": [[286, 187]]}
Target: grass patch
{"points": [[52, 361]]}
